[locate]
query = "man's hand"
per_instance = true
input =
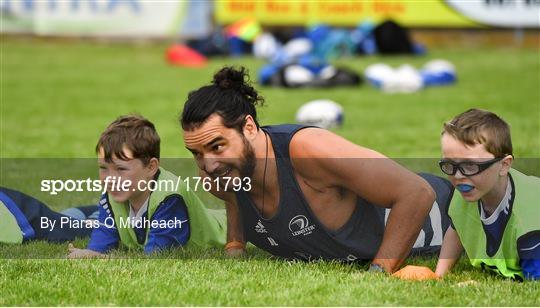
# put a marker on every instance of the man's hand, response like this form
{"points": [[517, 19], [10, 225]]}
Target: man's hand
{"points": [[411, 272], [236, 245], [235, 249], [236, 252], [77, 253]]}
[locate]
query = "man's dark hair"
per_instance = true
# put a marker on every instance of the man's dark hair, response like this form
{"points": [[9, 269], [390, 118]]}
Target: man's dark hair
{"points": [[230, 95]]}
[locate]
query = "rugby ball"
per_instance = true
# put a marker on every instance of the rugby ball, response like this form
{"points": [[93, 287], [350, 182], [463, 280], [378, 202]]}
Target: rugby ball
{"points": [[438, 72], [296, 75], [322, 113], [265, 46], [378, 73], [404, 79], [440, 65]]}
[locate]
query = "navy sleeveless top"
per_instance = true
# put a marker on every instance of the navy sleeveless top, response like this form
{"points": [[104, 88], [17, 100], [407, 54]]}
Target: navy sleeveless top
{"points": [[294, 232]]}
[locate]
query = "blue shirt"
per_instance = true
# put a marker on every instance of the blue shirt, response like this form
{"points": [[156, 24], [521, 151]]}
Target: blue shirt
{"points": [[106, 237], [528, 246]]}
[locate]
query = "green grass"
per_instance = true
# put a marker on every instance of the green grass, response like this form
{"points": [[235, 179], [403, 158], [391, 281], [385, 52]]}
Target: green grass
{"points": [[208, 278], [57, 97]]}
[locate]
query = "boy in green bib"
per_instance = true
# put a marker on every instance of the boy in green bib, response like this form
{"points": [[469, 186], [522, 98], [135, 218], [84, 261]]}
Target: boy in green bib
{"points": [[136, 217], [494, 212], [495, 216]]}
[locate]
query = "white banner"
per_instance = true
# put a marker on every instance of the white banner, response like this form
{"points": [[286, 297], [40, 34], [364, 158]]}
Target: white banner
{"points": [[500, 13], [126, 18]]}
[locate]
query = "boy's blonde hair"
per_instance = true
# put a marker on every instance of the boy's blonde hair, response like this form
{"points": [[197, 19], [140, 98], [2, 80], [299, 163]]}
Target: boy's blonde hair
{"points": [[476, 126]]}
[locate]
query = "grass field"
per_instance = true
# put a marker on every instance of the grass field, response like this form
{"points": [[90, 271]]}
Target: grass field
{"points": [[57, 97]]}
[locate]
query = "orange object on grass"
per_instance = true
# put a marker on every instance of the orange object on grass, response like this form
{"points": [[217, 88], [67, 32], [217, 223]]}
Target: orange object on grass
{"points": [[412, 272], [184, 56]]}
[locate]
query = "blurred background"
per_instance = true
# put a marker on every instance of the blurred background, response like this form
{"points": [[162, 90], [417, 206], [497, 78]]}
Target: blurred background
{"points": [[384, 74]]}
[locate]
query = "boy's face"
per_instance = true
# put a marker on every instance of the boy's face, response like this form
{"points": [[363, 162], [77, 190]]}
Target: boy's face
{"points": [[220, 151], [482, 183], [132, 169]]}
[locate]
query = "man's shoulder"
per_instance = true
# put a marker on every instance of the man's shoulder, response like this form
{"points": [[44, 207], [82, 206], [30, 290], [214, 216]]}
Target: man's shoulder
{"points": [[310, 142], [285, 128], [313, 153]]}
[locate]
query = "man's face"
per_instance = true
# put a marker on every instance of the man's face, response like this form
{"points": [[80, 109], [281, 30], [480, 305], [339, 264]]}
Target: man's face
{"points": [[220, 151], [482, 183], [132, 169]]}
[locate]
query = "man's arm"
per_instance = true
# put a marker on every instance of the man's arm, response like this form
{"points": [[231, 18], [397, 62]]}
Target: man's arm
{"points": [[236, 242], [333, 161]]}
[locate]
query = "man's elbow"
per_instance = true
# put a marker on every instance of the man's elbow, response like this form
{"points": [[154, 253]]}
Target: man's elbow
{"points": [[425, 196]]}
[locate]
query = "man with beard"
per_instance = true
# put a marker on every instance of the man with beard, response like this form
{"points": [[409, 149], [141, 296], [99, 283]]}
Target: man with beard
{"points": [[312, 194]]}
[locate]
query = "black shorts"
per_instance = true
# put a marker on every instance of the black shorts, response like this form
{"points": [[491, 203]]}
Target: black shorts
{"points": [[429, 240]]}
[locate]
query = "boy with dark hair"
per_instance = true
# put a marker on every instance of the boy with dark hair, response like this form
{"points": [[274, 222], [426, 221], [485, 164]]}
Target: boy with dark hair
{"points": [[135, 216]]}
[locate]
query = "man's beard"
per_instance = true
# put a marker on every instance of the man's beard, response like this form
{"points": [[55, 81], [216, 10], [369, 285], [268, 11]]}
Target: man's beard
{"points": [[245, 165], [248, 161]]}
